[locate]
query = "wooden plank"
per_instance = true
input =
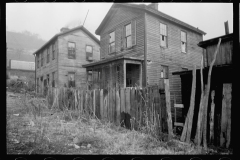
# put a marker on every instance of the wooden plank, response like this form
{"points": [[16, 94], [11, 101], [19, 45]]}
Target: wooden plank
{"points": [[105, 104], [117, 107], [132, 107], [97, 101], [211, 137], [94, 102], [114, 105], [102, 111], [226, 116], [122, 109], [169, 116], [192, 105], [178, 124], [137, 101], [178, 106], [128, 106]]}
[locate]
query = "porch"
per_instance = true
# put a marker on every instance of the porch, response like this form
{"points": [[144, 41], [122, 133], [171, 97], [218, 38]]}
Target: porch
{"points": [[116, 73]]}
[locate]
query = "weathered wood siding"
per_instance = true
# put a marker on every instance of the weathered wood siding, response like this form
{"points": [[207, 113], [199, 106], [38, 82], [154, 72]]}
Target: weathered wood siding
{"points": [[170, 56], [224, 55], [47, 68], [119, 19], [66, 65]]}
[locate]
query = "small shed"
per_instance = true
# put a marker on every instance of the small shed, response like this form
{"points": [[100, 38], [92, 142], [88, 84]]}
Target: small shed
{"points": [[221, 85]]}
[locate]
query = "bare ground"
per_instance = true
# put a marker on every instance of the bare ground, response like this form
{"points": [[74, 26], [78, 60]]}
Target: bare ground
{"points": [[44, 131]]}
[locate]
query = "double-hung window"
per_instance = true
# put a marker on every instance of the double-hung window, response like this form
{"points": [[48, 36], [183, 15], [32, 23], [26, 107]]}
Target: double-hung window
{"points": [[71, 50], [163, 35], [48, 55], [184, 42], [111, 47], [128, 35], [71, 79], [89, 53]]}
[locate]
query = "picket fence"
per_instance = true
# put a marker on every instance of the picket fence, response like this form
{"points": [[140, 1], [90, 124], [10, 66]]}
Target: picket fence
{"points": [[129, 107]]}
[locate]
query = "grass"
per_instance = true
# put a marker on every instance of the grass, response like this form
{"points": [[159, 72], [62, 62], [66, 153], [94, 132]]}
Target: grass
{"points": [[39, 130]]}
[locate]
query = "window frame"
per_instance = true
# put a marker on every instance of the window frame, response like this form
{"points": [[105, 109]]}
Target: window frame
{"points": [[71, 55], [74, 84], [183, 41], [48, 55], [112, 42], [42, 59], [165, 36], [89, 52], [165, 72], [128, 36]]}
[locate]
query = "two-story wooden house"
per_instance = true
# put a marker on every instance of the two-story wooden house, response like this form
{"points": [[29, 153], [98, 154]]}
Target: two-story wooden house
{"points": [[59, 61], [141, 46]]}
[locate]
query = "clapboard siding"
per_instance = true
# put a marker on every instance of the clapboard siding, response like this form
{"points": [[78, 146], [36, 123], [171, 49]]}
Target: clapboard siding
{"points": [[47, 68], [66, 65], [170, 56], [224, 55], [121, 17]]}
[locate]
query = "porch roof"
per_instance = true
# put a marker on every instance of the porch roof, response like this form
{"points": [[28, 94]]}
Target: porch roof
{"points": [[108, 60]]}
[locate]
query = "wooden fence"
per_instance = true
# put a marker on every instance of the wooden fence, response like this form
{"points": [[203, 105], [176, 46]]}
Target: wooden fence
{"points": [[129, 107]]}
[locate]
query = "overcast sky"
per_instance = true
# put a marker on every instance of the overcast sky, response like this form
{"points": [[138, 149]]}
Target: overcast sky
{"points": [[46, 19]]}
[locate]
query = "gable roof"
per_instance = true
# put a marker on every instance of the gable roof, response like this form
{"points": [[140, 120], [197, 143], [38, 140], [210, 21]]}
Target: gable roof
{"points": [[146, 9], [68, 31]]}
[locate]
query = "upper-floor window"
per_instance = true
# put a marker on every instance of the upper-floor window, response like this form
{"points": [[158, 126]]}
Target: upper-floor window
{"points": [[38, 61], [111, 47], [41, 58], [53, 51], [128, 35], [71, 79], [53, 79], [71, 50], [183, 41], [48, 55], [89, 53], [163, 35]]}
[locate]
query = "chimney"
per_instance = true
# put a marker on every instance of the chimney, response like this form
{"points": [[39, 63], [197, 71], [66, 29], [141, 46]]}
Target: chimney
{"points": [[226, 28], [64, 29], [154, 6]]}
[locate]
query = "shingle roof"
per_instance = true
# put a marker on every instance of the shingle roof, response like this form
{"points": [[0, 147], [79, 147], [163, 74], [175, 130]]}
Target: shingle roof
{"points": [[149, 10], [68, 31]]}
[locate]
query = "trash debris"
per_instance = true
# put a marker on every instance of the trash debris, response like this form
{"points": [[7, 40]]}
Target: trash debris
{"points": [[76, 146], [83, 146], [15, 141], [31, 123], [16, 114], [89, 145]]}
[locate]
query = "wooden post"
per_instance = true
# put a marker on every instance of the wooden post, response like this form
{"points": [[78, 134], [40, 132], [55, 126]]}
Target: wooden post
{"points": [[94, 103], [122, 103], [128, 106], [169, 116], [186, 134], [207, 95], [212, 117], [226, 116], [101, 104], [117, 107]]}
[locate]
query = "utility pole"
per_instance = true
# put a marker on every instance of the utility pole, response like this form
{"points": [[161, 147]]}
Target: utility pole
{"points": [[85, 18]]}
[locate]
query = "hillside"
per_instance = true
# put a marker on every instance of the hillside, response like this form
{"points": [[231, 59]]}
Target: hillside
{"points": [[21, 46]]}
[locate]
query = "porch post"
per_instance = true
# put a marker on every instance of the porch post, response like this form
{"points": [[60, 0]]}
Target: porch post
{"points": [[124, 73]]}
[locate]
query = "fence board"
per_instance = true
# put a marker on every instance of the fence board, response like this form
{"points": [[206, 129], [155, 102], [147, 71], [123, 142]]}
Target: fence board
{"points": [[105, 103], [114, 105], [97, 102], [101, 104], [117, 107], [122, 103], [128, 105], [132, 107]]}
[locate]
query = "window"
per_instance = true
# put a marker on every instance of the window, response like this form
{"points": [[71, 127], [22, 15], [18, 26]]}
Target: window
{"points": [[48, 53], [41, 58], [53, 79], [111, 47], [48, 79], [128, 35], [38, 61], [163, 35], [71, 50], [184, 42], [53, 51], [164, 72], [71, 79], [89, 53]]}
